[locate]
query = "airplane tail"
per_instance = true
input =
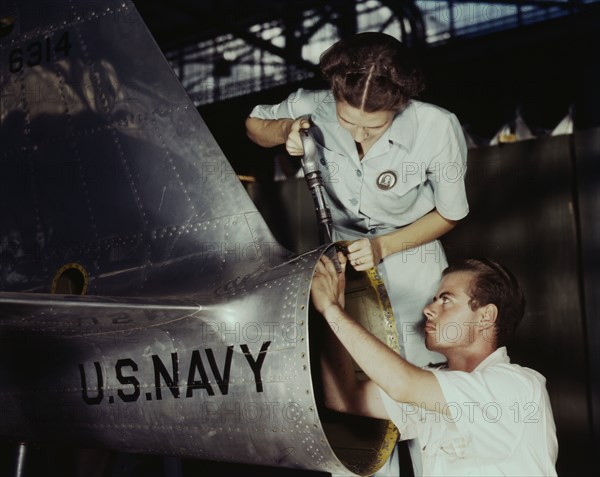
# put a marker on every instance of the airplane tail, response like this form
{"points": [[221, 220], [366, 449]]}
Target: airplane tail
{"points": [[106, 163], [193, 337]]}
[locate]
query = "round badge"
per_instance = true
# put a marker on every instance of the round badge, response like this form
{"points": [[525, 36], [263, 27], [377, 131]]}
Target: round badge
{"points": [[386, 180]]}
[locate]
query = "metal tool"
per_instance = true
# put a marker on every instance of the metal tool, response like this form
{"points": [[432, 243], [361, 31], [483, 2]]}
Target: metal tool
{"points": [[314, 179]]}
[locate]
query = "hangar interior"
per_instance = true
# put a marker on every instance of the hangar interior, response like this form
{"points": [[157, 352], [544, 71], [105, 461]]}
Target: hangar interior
{"points": [[510, 72], [522, 78]]}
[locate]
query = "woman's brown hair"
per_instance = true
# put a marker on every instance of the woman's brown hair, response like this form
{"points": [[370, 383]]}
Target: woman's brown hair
{"points": [[372, 71]]}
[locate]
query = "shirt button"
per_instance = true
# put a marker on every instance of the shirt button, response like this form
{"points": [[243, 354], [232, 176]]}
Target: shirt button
{"points": [[323, 161], [373, 230], [354, 201], [358, 172]]}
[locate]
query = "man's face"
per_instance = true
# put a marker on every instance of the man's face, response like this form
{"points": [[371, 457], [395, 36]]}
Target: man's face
{"points": [[450, 322]]}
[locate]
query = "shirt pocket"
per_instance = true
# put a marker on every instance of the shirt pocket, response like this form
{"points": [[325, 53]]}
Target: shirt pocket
{"points": [[399, 198]]}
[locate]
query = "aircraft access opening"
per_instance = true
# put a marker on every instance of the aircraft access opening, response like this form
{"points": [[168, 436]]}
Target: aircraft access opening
{"points": [[362, 444]]}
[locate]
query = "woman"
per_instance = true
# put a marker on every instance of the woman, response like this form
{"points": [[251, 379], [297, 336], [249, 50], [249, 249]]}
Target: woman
{"points": [[393, 168]]}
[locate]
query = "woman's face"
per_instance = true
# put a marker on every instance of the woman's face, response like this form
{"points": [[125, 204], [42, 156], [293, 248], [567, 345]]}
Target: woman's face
{"points": [[365, 127]]}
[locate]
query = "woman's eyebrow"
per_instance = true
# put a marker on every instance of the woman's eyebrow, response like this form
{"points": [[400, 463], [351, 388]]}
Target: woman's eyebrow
{"points": [[345, 120], [368, 127]]}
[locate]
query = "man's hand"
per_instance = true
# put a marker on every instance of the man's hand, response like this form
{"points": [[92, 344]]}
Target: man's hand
{"points": [[328, 284]]}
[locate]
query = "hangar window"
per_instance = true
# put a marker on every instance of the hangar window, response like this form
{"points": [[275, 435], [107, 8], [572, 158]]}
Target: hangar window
{"points": [[266, 49]]}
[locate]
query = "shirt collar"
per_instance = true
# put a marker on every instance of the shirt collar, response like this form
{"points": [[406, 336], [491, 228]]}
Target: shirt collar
{"points": [[404, 128], [500, 356]]}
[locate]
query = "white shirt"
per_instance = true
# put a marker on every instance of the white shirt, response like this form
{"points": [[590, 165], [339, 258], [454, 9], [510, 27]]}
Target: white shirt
{"points": [[500, 422], [418, 164]]}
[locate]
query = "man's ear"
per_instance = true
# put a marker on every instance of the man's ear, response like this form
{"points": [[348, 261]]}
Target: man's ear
{"points": [[489, 314]]}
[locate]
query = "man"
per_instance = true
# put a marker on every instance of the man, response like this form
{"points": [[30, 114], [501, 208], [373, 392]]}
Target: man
{"points": [[479, 415]]}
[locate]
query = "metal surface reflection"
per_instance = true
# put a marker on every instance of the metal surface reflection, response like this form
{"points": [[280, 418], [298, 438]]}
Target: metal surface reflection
{"points": [[192, 335]]}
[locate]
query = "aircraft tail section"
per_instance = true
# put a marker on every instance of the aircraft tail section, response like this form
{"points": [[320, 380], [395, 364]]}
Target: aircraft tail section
{"points": [[194, 338], [107, 164]]}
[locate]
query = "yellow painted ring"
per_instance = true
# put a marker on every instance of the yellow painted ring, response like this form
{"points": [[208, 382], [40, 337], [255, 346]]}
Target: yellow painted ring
{"points": [[64, 280], [390, 337]]}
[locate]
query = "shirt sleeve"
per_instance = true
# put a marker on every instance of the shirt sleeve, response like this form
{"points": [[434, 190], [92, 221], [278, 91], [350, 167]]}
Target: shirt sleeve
{"points": [[447, 170], [404, 416], [485, 407], [297, 104]]}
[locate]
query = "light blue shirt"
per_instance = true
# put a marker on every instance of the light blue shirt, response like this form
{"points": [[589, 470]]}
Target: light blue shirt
{"points": [[422, 155], [425, 151]]}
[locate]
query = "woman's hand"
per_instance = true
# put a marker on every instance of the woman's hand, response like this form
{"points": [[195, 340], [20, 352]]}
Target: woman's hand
{"points": [[364, 254], [273, 132], [293, 143]]}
